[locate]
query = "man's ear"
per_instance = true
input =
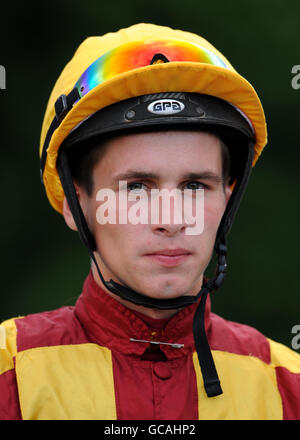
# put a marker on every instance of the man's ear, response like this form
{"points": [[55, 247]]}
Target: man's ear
{"points": [[228, 191], [68, 216]]}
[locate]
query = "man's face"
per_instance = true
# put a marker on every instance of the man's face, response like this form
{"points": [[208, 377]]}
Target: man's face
{"points": [[159, 260]]}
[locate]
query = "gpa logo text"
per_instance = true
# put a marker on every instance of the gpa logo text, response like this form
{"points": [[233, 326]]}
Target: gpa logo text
{"points": [[166, 107], [2, 78]]}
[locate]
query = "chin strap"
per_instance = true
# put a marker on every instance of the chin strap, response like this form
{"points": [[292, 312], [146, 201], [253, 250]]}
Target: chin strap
{"points": [[209, 373], [208, 369]]}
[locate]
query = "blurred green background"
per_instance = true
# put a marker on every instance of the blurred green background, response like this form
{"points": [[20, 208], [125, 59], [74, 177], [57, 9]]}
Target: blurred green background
{"points": [[43, 263]]}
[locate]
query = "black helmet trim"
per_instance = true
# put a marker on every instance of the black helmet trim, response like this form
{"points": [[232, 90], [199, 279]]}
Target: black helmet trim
{"points": [[162, 110]]}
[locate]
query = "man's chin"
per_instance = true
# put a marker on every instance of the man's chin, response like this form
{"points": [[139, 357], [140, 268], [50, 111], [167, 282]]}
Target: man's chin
{"points": [[168, 290]]}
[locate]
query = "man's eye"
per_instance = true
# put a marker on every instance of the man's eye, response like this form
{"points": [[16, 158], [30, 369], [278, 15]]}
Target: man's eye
{"points": [[194, 186], [136, 186]]}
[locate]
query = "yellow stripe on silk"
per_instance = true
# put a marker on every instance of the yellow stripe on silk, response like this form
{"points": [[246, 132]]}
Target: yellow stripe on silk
{"points": [[282, 356], [249, 390], [66, 382], [8, 345]]}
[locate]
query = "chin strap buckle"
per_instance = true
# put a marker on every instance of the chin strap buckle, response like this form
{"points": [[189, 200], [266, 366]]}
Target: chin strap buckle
{"points": [[61, 107]]}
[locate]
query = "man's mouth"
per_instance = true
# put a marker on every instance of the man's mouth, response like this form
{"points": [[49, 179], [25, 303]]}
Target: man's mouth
{"points": [[169, 257]]}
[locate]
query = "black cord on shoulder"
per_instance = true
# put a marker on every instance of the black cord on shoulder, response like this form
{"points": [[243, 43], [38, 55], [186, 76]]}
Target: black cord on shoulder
{"points": [[209, 373]]}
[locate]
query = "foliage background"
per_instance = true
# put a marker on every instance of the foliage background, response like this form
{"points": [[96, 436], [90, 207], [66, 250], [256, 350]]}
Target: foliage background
{"points": [[43, 264]]}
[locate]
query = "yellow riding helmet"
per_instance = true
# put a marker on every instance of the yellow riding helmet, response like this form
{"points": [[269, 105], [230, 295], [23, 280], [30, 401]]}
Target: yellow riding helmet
{"points": [[129, 63]]}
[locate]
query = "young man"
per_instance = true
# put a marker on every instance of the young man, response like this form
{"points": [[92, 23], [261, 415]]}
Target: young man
{"points": [[136, 115]]}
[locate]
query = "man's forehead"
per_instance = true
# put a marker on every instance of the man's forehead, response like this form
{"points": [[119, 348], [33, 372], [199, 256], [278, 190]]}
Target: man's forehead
{"points": [[153, 148], [157, 133]]}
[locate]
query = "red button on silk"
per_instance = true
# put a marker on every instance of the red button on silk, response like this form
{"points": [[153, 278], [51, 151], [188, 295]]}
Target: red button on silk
{"points": [[162, 370]]}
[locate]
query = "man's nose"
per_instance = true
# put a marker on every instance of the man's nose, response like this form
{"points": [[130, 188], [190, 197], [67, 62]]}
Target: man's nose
{"points": [[167, 214], [168, 230]]}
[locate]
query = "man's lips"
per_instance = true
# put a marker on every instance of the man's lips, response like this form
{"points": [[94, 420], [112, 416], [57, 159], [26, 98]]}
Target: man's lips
{"points": [[169, 257], [171, 252]]}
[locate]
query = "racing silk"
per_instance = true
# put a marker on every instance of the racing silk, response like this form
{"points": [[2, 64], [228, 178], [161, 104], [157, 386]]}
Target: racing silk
{"points": [[81, 363]]}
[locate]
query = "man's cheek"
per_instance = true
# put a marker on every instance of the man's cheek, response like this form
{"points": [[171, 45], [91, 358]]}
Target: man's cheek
{"points": [[194, 212], [213, 215]]}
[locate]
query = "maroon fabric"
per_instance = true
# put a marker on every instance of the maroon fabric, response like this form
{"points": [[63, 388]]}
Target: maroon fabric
{"points": [[9, 405], [237, 338], [157, 325], [56, 327], [155, 390], [288, 384]]}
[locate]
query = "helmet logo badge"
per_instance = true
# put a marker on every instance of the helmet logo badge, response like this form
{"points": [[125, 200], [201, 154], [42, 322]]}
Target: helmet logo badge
{"points": [[165, 107]]}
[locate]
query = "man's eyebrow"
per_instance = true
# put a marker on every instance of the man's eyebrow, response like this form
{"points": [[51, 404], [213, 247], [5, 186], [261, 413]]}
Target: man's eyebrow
{"points": [[204, 175], [134, 174], [137, 174]]}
